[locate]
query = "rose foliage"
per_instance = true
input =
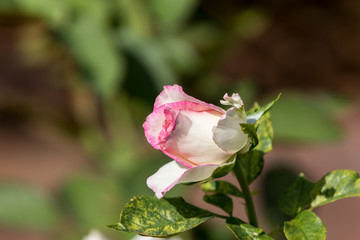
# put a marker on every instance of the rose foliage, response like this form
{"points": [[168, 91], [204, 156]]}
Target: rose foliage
{"points": [[206, 142]]}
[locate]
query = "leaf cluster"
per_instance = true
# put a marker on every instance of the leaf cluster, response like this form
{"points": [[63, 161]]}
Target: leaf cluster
{"points": [[150, 216], [303, 196]]}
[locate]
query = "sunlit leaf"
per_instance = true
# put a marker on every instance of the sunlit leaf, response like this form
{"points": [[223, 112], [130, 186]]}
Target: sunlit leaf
{"points": [[159, 217], [336, 185], [305, 226], [265, 134]]}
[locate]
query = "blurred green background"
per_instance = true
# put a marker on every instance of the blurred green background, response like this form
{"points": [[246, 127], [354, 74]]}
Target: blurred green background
{"points": [[79, 77]]}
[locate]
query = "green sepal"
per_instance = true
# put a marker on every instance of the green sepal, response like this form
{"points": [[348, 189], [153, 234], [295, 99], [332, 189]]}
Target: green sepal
{"points": [[244, 231], [255, 113], [164, 217], [305, 226], [220, 200], [225, 168], [296, 197], [221, 187], [335, 185], [250, 130]]}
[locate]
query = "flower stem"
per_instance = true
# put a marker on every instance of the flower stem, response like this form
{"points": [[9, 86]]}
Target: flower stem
{"points": [[250, 209]]}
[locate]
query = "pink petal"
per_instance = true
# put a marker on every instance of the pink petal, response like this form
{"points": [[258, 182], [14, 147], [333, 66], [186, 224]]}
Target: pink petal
{"points": [[158, 126], [173, 172], [175, 93]]}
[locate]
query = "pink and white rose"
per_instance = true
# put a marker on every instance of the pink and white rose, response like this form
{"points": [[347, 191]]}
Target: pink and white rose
{"points": [[198, 136]]}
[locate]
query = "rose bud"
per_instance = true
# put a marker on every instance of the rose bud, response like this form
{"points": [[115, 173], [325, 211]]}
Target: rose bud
{"points": [[198, 136]]}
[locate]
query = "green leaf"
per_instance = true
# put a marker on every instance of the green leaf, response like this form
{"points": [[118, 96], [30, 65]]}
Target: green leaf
{"points": [[298, 196], [221, 187], [336, 185], [25, 207], [220, 200], [256, 113], [253, 163], [154, 217], [305, 226], [244, 231]]}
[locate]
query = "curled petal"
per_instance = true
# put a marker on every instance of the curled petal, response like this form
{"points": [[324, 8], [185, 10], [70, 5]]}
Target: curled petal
{"points": [[228, 134], [158, 126], [234, 100], [175, 93], [173, 172]]}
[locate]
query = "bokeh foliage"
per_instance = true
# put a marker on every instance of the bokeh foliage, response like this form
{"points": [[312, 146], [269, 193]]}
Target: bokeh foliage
{"points": [[117, 55]]}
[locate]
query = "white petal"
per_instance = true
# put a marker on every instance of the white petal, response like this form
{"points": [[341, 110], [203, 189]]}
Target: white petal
{"points": [[192, 139], [94, 235], [173, 172], [166, 178], [228, 134], [247, 146], [198, 173]]}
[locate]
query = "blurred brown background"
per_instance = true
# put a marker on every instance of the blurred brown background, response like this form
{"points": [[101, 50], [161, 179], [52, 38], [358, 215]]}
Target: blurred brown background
{"points": [[78, 78]]}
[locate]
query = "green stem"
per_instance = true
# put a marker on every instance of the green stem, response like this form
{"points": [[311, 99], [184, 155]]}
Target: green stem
{"points": [[276, 231], [239, 173]]}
